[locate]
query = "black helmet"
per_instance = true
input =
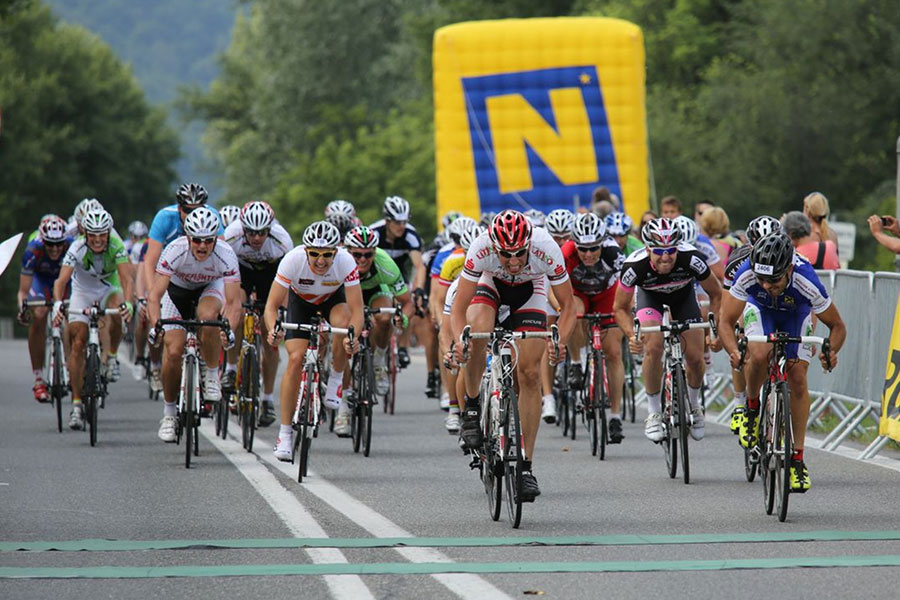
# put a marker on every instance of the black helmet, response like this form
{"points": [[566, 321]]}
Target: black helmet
{"points": [[192, 194], [772, 255]]}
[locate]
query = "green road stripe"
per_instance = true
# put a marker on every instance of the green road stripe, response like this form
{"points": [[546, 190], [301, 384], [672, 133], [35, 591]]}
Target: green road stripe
{"points": [[97, 545], [435, 568]]}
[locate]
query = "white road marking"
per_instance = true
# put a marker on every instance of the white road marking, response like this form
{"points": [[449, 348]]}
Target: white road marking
{"points": [[294, 515]]}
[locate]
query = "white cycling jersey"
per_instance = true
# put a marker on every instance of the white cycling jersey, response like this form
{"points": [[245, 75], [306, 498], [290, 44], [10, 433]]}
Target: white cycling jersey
{"points": [[187, 272], [277, 244], [94, 273], [294, 273], [545, 258]]}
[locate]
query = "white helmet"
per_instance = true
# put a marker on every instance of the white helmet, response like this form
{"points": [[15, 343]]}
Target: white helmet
{"points": [[340, 206], [448, 218], [229, 213], [560, 222], [457, 227], [470, 235], [257, 216], [321, 234], [536, 217], [589, 230], [688, 229], [137, 229], [96, 220], [85, 206], [618, 223], [202, 222], [396, 208]]}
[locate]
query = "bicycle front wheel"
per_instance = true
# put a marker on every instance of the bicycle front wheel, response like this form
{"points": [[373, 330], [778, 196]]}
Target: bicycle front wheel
{"points": [[91, 392], [683, 424], [491, 460], [602, 399], [513, 460], [670, 439], [57, 388], [307, 423], [190, 401], [784, 448]]}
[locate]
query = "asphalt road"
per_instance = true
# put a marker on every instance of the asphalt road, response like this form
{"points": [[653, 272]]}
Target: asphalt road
{"points": [[239, 524]]}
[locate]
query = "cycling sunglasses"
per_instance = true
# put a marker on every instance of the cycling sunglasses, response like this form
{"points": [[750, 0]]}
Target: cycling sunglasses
{"points": [[770, 279], [664, 251], [53, 244], [207, 240], [588, 248], [362, 255], [513, 253], [256, 232], [326, 255]]}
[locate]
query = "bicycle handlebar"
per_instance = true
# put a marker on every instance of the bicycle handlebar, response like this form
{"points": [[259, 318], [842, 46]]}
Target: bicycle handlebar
{"points": [[467, 335], [194, 324], [779, 337], [675, 327]]}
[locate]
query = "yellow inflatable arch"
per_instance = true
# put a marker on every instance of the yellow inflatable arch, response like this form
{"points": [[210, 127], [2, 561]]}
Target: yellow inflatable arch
{"points": [[537, 113]]}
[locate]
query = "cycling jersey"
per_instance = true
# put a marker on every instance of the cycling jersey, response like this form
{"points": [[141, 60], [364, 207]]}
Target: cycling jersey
{"points": [[185, 271], [453, 266], [277, 244], [135, 250], [95, 273], [803, 293], [707, 249], [599, 277], [632, 245], [295, 273], [737, 258], [400, 248], [637, 271], [383, 278], [167, 226], [42, 269], [544, 258], [442, 254]]}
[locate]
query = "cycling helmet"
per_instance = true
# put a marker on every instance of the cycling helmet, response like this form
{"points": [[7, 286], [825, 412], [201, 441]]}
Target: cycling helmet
{"points": [[396, 209], [560, 222], [618, 223], [48, 217], [661, 233], [229, 213], [321, 234], [772, 255], [191, 193], [457, 227], [137, 229], [536, 217], [449, 218], [256, 216], [486, 219], [589, 229], [201, 223], [510, 230], [688, 229], [84, 207], [361, 237], [342, 221], [762, 226], [97, 220], [53, 230], [467, 237], [339, 206]]}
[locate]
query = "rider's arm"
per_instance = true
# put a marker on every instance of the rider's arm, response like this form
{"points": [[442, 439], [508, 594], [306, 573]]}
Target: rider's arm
{"points": [[160, 283], [622, 309], [419, 269], [59, 286], [729, 314], [354, 297], [151, 257], [406, 304], [24, 288], [567, 316], [277, 297], [837, 331], [126, 274], [436, 299], [713, 288], [465, 291], [233, 303]]}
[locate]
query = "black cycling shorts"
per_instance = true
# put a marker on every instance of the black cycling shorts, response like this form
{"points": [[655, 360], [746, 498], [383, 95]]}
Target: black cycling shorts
{"points": [[649, 305], [258, 280], [301, 311]]}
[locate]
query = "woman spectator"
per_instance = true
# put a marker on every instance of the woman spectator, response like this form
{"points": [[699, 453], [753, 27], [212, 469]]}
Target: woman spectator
{"points": [[815, 206], [822, 255], [714, 224]]}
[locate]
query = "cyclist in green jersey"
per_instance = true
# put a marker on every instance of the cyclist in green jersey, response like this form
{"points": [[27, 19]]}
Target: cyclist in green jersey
{"points": [[381, 281]]}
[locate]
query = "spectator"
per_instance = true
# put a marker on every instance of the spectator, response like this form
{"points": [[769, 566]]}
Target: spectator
{"points": [[670, 207], [648, 216], [700, 208], [604, 202], [879, 225], [822, 255], [714, 224], [815, 206]]}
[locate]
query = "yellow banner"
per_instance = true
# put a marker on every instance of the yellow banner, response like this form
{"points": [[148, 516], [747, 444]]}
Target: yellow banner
{"points": [[890, 398]]}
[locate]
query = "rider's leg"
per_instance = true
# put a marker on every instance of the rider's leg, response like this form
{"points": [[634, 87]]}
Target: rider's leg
{"points": [[530, 354], [695, 364], [480, 317], [171, 368], [615, 369], [797, 381], [37, 338], [78, 334], [290, 382]]}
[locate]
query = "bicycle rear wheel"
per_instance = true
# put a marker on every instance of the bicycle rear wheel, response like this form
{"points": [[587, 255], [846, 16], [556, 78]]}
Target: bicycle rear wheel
{"points": [[57, 388], [249, 393], [513, 460], [683, 425], [602, 401], [92, 392], [783, 450], [670, 439], [307, 423], [766, 460]]}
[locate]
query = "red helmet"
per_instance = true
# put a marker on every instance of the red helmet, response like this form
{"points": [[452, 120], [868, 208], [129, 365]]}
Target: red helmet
{"points": [[510, 230]]}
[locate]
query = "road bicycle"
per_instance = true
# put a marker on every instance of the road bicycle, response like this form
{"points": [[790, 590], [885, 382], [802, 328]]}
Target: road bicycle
{"points": [[771, 454], [307, 416], [629, 386], [501, 456], [94, 390], [190, 396], [675, 404], [595, 391], [55, 372], [565, 398], [247, 381]]}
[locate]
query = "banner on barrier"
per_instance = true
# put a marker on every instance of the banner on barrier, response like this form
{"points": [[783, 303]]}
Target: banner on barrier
{"points": [[889, 424]]}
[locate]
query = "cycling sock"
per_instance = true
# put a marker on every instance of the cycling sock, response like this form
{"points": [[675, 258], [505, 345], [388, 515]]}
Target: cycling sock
{"points": [[752, 403], [472, 403], [740, 398], [231, 367], [155, 365], [111, 355], [549, 398], [267, 397], [334, 382], [285, 430], [694, 397], [38, 374], [797, 455], [380, 354], [526, 466], [76, 401], [653, 403], [584, 354], [169, 409]]}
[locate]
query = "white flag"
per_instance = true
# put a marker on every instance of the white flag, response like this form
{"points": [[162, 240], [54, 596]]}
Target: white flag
{"points": [[7, 249]]}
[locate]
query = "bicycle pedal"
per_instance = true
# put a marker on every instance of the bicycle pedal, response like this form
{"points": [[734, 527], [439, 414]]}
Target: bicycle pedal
{"points": [[475, 463]]}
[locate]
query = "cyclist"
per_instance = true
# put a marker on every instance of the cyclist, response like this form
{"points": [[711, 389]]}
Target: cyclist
{"points": [[537, 218], [134, 246], [167, 226], [259, 242], [619, 226], [510, 266], [98, 268], [381, 282], [342, 215], [663, 273], [137, 233], [41, 264], [776, 290], [757, 229], [321, 278], [196, 277], [593, 261], [229, 213], [36, 234]]}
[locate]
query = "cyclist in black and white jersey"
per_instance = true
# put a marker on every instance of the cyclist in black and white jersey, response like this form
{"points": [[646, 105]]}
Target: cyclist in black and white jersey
{"points": [[260, 242], [197, 277], [663, 273]]}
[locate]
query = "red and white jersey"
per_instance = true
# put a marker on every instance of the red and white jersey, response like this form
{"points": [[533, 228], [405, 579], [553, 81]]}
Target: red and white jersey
{"points": [[187, 272], [277, 244], [294, 273], [544, 258]]}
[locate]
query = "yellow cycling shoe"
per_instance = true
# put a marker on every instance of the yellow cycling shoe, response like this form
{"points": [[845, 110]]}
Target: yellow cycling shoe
{"points": [[737, 419], [800, 481], [749, 429]]}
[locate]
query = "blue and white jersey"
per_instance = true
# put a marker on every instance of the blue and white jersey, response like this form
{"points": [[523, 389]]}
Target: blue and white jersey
{"points": [[707, 249], [442, 254], [803, 293], [166, 226]]}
